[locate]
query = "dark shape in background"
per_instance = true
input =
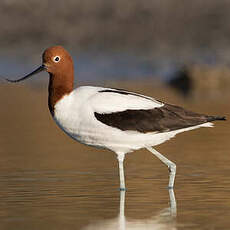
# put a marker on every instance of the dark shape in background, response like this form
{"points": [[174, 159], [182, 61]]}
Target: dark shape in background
{"points": [[182, 82]]}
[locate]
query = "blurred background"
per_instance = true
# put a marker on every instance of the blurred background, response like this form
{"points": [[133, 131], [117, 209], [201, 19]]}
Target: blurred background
{"points": [[177, 51]]}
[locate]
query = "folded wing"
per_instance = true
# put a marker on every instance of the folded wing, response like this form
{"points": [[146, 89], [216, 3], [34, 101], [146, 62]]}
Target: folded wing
{"points": [[133, 112]]}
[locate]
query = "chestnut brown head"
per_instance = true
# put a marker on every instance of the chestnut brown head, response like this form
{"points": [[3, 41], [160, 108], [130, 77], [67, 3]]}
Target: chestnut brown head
{"points": [[57, 60]]}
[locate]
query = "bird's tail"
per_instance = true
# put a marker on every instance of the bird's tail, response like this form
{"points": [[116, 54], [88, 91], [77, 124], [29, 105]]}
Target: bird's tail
{"points": [[216, 118]]}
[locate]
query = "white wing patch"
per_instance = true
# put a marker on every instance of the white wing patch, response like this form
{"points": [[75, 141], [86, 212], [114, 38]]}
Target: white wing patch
{"points": [[110, 102]]}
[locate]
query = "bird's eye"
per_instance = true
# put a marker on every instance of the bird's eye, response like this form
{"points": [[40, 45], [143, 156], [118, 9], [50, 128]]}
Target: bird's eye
{"points": [[56, 59]]}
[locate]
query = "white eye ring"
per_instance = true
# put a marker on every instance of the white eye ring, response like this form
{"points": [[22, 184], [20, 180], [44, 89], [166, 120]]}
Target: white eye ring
{"points": [[56, 59]]}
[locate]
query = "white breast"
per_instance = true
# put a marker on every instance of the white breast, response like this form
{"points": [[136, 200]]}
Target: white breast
{"points": [[72, 111]]}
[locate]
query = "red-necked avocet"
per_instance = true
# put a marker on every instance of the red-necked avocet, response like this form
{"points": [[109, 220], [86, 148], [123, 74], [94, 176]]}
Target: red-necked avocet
{"points": [[114, 119]]}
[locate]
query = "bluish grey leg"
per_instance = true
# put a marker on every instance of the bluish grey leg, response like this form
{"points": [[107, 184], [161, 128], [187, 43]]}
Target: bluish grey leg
{"points": [[173, 207], [170, 164], [121, 158]]}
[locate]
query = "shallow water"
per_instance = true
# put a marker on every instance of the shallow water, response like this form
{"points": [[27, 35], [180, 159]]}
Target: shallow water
{"points": [[49, 181]]}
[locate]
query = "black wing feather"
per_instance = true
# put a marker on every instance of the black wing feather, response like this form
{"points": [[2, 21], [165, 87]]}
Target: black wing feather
{"points": [[160, 119]]}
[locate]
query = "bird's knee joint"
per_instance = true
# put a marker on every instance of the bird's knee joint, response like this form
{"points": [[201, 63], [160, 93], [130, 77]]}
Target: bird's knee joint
{"points": [[172, 168]]}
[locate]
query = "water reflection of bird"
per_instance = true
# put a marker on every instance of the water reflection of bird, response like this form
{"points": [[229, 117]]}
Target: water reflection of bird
{"points": [[114, 119], [165, 219]]}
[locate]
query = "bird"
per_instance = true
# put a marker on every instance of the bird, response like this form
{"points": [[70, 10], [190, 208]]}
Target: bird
{"points": [[114, 119]]}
